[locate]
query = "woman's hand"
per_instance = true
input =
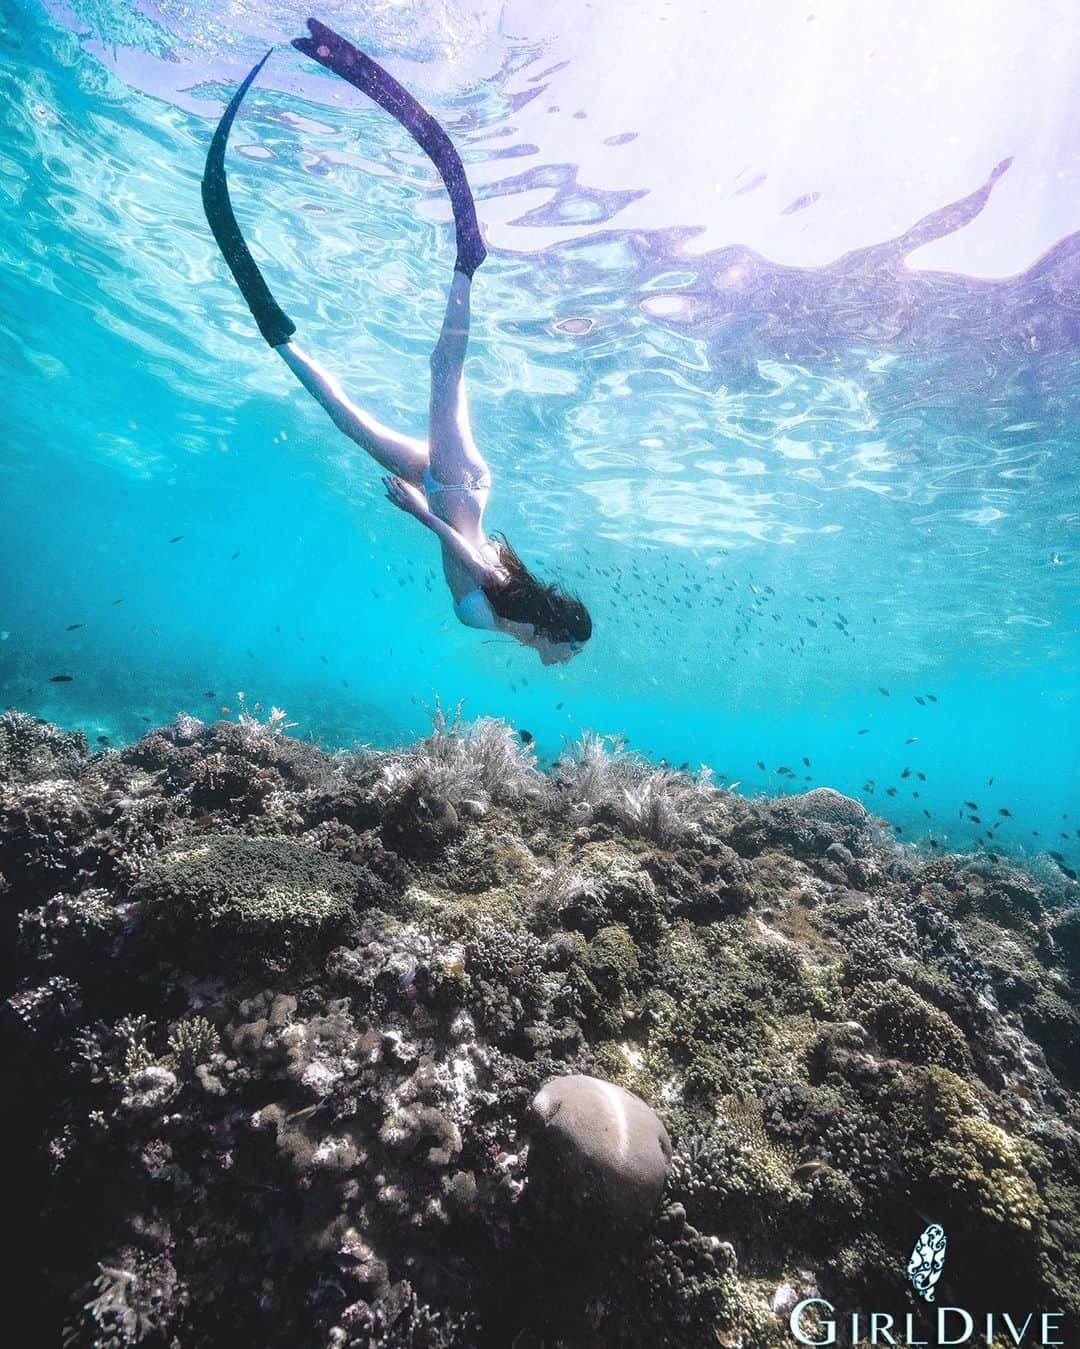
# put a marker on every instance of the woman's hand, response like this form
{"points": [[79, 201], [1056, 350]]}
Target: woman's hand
{"points": [[406, 497]]}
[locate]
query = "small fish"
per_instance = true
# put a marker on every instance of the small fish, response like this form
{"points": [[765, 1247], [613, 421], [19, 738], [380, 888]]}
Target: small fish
{"points": [[911, 740], [234, 557], [526, 737], [761, 766], [865, 730], [103, 739], [930, 698], [1006, 812], [324, 660], [890, 791], [884, 691], [906, 773], [74, 627], [176, 539], [119, 601], [61, 679], [975, 819], [921, 777], [806, 761], [808, 1170], [920, 701], [972, 805]]}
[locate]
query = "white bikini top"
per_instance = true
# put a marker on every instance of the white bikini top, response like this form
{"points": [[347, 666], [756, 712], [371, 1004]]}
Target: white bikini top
{"points": [[474, 610]]}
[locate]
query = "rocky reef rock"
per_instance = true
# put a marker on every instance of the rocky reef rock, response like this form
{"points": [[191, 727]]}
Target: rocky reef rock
{"points": [[598, 1150]]}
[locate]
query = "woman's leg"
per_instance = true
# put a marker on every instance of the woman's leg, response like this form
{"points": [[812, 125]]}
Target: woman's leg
{"points": [[454, 455], [404, 456]]}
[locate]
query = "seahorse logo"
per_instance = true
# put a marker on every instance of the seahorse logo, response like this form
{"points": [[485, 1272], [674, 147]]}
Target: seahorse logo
{"points": [[927, 1261]]}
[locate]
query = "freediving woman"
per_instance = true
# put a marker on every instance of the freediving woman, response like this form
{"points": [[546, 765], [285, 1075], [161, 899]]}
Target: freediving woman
{"points": [[443, 482]]}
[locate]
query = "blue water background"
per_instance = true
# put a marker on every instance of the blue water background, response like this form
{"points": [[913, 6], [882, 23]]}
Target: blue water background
{"points": [[779, 489]]}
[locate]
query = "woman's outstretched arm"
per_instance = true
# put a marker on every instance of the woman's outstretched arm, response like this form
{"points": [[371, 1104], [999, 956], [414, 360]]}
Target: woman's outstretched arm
{"points": [[413, 502], [404, 456]]}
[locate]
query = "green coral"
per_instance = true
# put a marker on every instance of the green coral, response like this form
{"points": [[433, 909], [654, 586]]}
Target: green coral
{"points": [[260, 903], [908, 1026], [194, 1041], [983, 1166]]}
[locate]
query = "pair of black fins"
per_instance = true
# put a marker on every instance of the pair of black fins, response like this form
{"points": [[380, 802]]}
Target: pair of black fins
{"points": [[332, 51]]}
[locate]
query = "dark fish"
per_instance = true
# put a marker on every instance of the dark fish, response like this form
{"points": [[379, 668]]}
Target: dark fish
{"points": [[890, 791], [74, 627], [989, 782], [61, 679], [234, 557], [926, 812], [526, 737], [911, 740], [209, 694], [806, 761], [920, 701], [972, 805], [119, 601], [884, 691], [103, 739], [921, 777], [974, 819], [1006, 812], [906, 773], [761, 765], [176, 539], [324, 660], [930, 698], [558, 707], [865, 730]]}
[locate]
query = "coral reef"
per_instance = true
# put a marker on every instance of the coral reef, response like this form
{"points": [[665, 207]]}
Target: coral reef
{"points": [[278, 1018]]}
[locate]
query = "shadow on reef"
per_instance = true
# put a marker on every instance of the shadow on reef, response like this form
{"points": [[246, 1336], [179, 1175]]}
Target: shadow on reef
{"points": [[280, 1018]]}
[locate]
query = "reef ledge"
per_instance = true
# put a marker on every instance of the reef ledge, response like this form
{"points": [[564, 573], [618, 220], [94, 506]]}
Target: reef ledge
{"points": [[276, 1019]]}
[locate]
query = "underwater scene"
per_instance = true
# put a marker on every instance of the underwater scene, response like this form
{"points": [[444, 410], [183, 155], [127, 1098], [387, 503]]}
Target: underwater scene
{"points": [[539, 637]]}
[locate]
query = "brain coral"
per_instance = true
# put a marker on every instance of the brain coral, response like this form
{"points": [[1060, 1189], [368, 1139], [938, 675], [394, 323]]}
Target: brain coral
{"points": [[832, 807]]}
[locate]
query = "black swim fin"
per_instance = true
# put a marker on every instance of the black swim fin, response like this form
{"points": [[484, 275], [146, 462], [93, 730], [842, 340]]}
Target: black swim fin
{"points": [[274, 324], [336, 54]]}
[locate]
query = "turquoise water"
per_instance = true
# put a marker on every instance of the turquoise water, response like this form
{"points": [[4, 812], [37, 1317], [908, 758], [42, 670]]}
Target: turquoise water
{"points": [[780, 486]]}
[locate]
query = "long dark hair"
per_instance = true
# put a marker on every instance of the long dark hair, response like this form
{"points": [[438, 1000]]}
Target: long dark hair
{"points": [[521, 598]]}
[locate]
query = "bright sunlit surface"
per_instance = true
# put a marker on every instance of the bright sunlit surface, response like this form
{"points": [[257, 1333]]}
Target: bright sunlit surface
{"points": [[775, 361]]}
